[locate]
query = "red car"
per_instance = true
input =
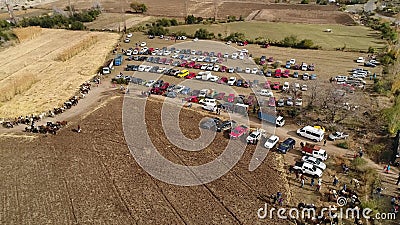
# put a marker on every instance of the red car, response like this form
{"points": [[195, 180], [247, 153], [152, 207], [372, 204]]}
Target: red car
{"points": [[157, 91], [191, 64], [286, 73], [223, 69], [183, 63], [278, 73], [267, 84], [191, 75], [223, 80], [197, 66], [250, 100], [164, 86], [220, 96], [271, 102], [193, 99], [276, 86], [239, 131], [270, 59], [231, 98]]}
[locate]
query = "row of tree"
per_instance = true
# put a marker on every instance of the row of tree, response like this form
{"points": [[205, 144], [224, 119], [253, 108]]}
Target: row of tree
{"points": [[73, 22]]}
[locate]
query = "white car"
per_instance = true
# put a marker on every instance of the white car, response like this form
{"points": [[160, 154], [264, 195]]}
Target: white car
{"points": [[314, 161], [128, 52], [161, 70], [178, 88], [338, 135], [127, 40], [234, 55], [307, 168], [143, 44], [193, 52], [296, 86], [174, 56], [129, 35], [135, 52], [244, 51], [194, 59], [204, 66], [226, 55], [231, 81], [254, 137], [201, 59], [214, 78], [254, 71], [166, 53], [241, 56], [299, 102], [203, 93], [148, 68], [266, 92], [216, 68], [304, 87], [292, 61], [247, 70], [210, 67], [304, 67], [141, 68], [199, 76], [285, 86], [271, 142], [360, 60], [231, 70], [229, 42], [196, 39], [289, 101], [150, 83]]}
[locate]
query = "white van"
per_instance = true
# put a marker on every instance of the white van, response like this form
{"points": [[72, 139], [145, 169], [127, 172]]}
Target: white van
{"points": [[208, 100], [311, 133]]}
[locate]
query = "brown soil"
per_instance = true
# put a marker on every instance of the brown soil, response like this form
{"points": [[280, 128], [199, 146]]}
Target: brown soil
{"points": [[92, 178]]}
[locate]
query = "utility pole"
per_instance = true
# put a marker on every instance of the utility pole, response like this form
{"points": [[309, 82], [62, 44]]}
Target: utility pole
{"points": [[70, 7], [10, 12]]}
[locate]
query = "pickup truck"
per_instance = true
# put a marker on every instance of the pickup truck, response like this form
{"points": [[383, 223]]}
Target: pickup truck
{"points": [[308, 169], [314, 151]]}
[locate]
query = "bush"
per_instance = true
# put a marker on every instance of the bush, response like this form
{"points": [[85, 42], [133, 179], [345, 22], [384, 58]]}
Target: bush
{"points": [[305, 1], [276, 65], [157, 31], [203, 34], [343, 144]]}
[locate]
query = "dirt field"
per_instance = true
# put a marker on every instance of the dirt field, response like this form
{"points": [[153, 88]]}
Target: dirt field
{"points": [[92, 178], [32, 80], [112, 21], [222, 9]]}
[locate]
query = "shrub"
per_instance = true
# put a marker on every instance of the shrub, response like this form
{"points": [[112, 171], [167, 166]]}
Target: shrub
{"points": [[203, 34], [343, 144], [305, 1], [276, 65]]}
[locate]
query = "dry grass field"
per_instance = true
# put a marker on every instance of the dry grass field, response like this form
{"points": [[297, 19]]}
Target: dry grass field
{"points": [[112, 21], [43, 71]]}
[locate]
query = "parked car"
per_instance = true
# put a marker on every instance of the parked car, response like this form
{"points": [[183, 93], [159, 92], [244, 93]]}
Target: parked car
{"points": [[308, 169], [271, 102], [276, 86], [338, 135], [232, 81], [271, 142], [299, 102], [295, 74], [304, 87], [211, 124], [360, 60], [289, 101], [239, 132], [314, 161], [268, 73], [231, 70], [286, 145], [254, 137], [231, 98], [223, 80], [281, 102], [226, 125], [266, 92], [286, 73], [278, 73], [150, 83]]}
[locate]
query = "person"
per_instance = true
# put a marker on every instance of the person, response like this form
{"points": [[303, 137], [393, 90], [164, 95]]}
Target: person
{"points": [[387, 168], [278, 194], [324, 142], [319, 184], [127, 90], [280, 201], [312, 182], [335, 180], [360, 153], [190, 105], [398, 180], [79, 129]]}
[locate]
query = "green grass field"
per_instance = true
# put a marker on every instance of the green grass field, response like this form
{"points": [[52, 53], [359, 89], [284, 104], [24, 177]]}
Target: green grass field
{"points": [[354, 37]]}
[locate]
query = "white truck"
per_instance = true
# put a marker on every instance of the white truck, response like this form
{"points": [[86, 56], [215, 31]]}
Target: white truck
{"points": [[314, 151], [307, 168], [207, 75]]}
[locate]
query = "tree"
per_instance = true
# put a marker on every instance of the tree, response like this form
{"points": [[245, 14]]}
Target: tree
{"points": [[139, 7], [289, 41], [306, 43], [203, 34], [190, 19]]}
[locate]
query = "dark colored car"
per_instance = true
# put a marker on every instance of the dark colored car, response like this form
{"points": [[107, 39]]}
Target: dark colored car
{"points": [[226, 125], [211, 124], [286, 145]]}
